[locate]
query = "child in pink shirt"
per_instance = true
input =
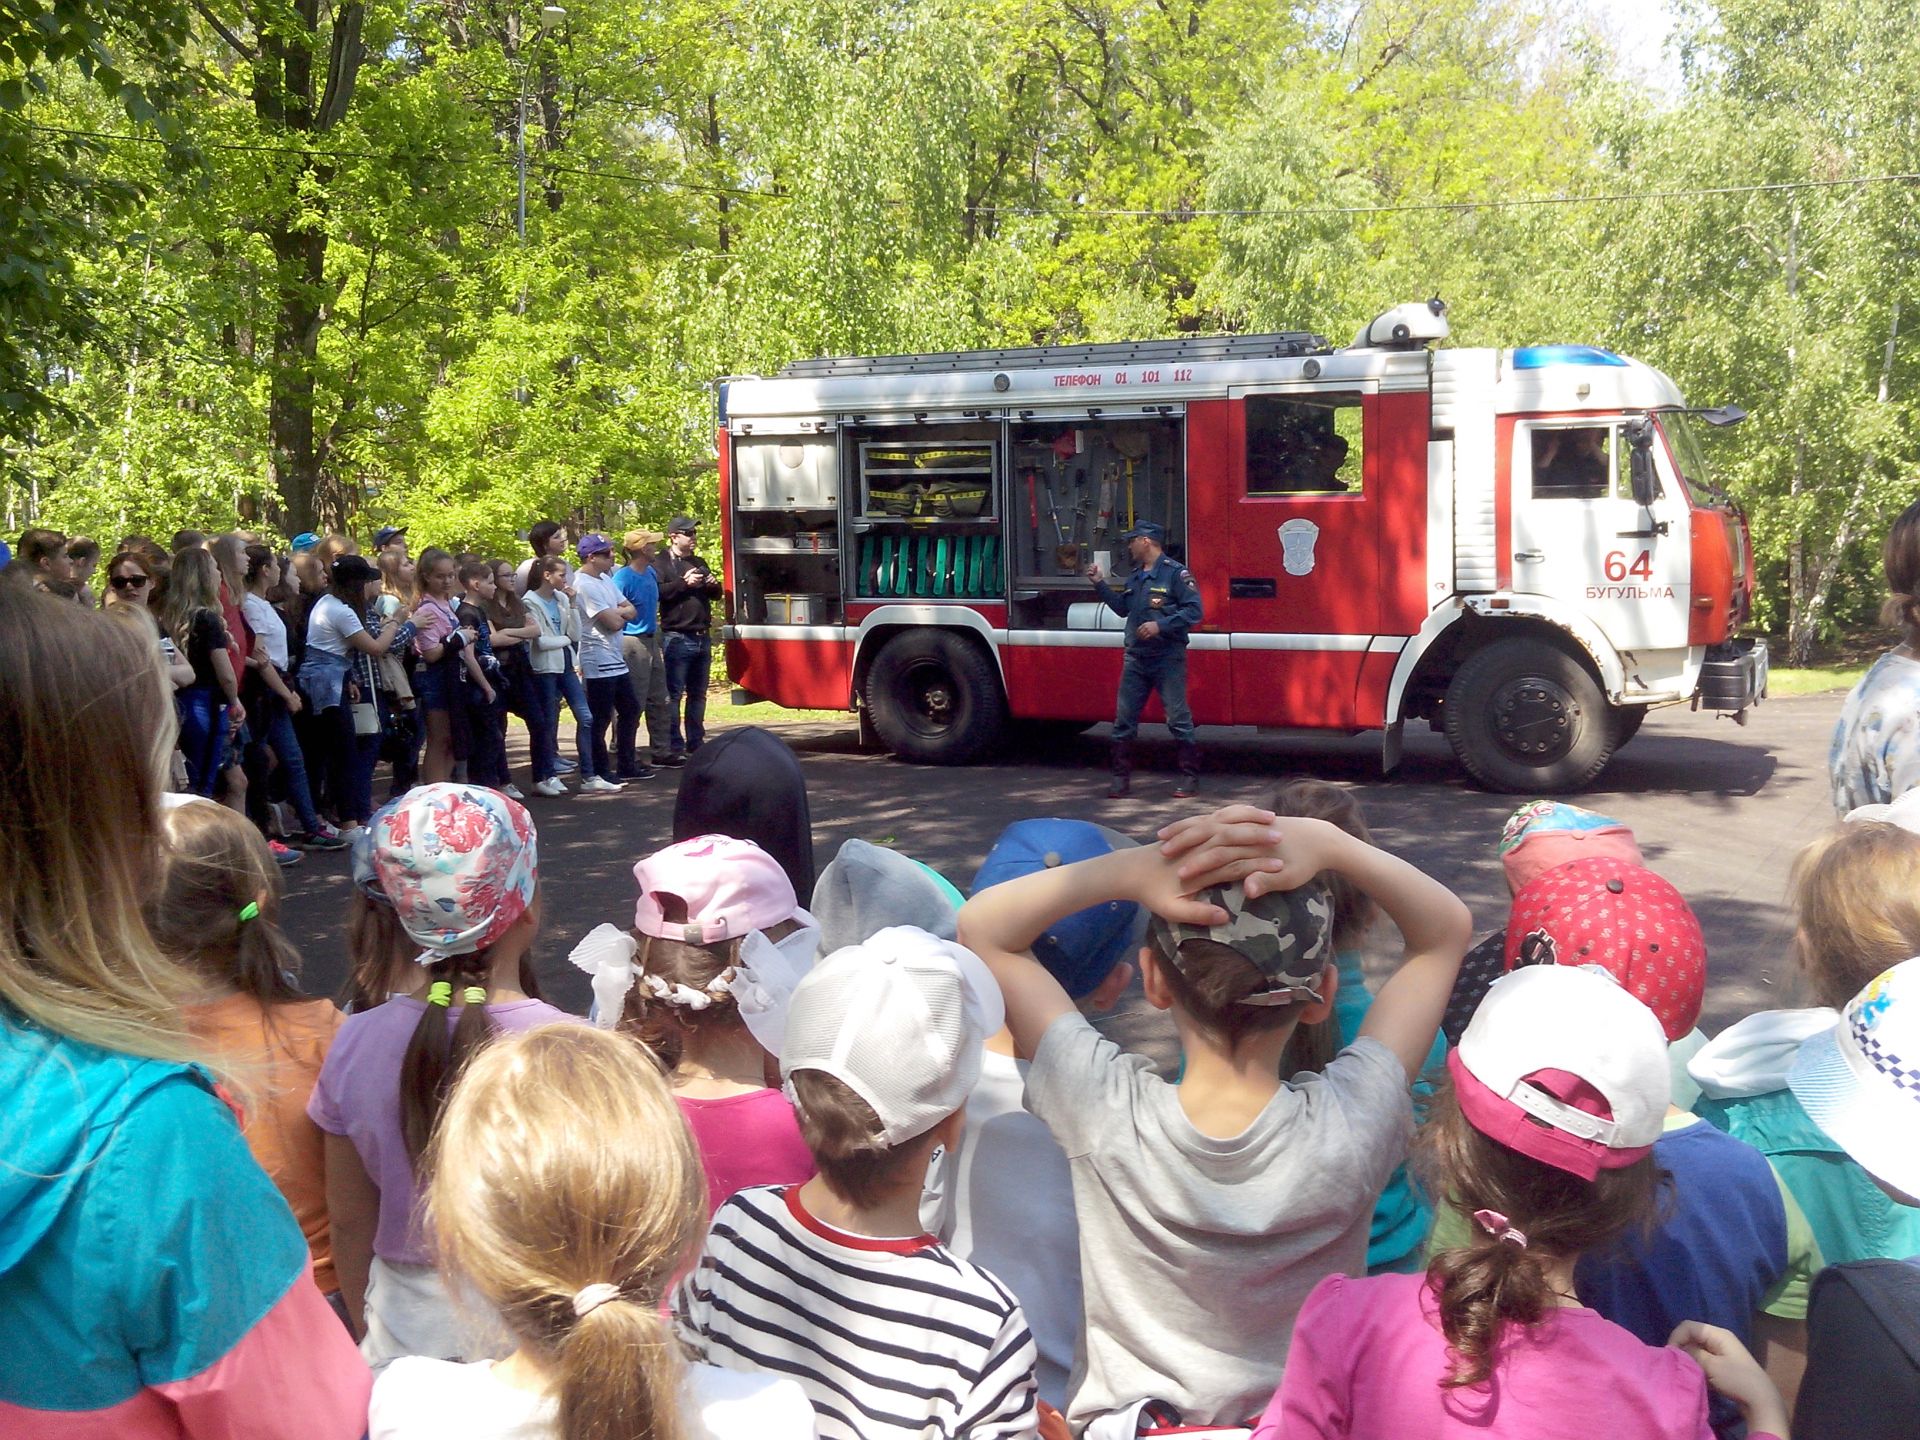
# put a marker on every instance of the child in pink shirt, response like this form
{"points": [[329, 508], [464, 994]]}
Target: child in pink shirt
{"points": [[1545, 1136], [717, 945]]}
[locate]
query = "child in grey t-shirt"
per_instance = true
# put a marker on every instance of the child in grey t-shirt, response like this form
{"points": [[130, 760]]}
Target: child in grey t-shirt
{"points": [[1209, 1209]]}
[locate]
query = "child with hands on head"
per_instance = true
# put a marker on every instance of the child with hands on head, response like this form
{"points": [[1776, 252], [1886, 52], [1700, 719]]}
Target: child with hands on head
{"points": [[1545, 1135], [460, 867], [1209, 1209], [566, 1192], [833, 1282], [704, 977]]}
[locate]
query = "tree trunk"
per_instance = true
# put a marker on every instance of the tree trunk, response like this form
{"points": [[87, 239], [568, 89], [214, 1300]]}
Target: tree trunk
{"points": [[1806, 624], [300, 270]]}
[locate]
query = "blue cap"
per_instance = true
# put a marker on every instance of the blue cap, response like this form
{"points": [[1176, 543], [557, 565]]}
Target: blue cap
{"points": [[1081, 950], [386, 533], [306, 540], [591, 545], [1147, 530]]}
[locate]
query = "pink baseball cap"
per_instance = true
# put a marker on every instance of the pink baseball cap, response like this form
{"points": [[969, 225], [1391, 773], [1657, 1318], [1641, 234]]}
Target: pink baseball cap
{"points": [[1564, 1066], [1623, 918], [730, 888]]}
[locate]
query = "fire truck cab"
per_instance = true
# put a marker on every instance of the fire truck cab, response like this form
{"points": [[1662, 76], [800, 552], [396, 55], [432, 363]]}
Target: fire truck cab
{"points": [[1521, 547]]}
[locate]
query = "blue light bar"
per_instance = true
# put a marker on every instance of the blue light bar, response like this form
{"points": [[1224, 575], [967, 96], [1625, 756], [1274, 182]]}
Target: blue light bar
{"points": [[1540, 357]]}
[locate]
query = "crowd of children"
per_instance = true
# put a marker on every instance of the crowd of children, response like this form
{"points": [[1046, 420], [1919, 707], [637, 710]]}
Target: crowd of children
{"points": [[851, 1156]]}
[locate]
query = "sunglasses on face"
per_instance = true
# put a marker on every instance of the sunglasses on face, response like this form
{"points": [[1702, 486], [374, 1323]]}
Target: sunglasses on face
{"points": [[128, 582]]}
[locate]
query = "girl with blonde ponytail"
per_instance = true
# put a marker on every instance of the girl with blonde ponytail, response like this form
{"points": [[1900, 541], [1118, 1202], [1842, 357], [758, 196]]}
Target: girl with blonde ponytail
{"points": [[566, 1191], [216, 910], [1543, 1137]]}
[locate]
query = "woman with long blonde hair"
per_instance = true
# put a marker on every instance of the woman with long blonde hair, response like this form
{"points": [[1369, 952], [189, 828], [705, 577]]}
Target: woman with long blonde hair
{"points": [[567, 1192], [209, 709], [155, 1268]]}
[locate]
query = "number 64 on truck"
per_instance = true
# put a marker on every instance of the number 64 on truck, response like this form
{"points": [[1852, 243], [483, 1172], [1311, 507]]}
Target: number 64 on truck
{"points": [[1521, 547]]}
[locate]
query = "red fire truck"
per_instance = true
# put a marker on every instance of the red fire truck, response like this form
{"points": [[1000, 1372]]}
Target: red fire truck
{"points": [[1521, 547]]}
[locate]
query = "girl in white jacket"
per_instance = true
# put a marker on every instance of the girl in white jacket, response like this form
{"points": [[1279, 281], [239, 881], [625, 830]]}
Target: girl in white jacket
{"points": [[553, 610]]}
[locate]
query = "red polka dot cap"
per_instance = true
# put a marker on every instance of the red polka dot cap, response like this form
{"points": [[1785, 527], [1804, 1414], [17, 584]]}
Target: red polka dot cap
{"points": [[1624, 918]]}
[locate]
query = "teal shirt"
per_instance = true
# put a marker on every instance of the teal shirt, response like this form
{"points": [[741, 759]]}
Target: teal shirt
{"points": [[1403, 1215], [1852, 1218]]}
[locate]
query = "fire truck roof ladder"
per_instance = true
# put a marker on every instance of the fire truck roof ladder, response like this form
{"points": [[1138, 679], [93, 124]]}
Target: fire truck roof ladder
{"points": [[1189, 350]]}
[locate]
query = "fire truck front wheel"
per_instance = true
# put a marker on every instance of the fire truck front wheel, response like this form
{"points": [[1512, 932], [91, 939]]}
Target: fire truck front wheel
{"points": [[935, 698], [1524, 716]]}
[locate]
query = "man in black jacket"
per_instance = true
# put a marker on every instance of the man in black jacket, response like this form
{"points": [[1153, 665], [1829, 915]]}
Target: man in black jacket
{"points": [[687, 588]]}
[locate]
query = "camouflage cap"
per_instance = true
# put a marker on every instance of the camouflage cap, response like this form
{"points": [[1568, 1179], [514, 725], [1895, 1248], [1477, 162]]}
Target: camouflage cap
{"points": [[1288, 935]]}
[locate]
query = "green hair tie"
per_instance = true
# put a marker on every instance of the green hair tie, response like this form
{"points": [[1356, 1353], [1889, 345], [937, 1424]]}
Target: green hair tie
{"points": [[440, 993], [249, 911], [474, 995]]}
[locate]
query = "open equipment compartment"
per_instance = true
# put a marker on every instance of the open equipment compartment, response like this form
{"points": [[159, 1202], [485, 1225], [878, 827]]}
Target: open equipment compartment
{"points": [[1078, 482], [926, 518], [786, 538]]}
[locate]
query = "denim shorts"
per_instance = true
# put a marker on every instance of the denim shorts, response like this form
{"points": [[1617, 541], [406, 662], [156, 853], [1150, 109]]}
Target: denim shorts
{"points": [[432, 686]]}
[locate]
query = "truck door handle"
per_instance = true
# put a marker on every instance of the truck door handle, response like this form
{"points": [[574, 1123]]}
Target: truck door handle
{"points": [[1530, 556], [1659, 528]]}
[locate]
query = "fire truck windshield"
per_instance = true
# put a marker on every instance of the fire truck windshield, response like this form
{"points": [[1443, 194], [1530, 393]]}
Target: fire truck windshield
{"points": [[1684, 445]]}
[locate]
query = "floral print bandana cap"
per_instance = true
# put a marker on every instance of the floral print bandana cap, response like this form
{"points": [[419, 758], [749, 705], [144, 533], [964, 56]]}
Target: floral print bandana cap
{"points": [[459, 863], [1544, 834]]}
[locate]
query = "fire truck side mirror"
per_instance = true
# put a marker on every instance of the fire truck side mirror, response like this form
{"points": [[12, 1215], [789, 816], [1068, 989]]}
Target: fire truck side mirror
{"points": [[1640, 461]]}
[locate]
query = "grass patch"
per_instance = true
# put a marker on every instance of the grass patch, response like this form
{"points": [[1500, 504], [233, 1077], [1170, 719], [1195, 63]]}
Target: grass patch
{"points": [[1814, 680], [766, 713]]}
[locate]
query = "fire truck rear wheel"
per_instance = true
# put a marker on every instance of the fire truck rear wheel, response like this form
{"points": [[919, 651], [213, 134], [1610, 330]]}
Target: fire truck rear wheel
{"points": [[1523, 716], [935, 698]]}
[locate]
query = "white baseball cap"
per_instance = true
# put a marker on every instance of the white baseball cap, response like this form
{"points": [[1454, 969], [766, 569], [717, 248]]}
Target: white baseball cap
{"points": [[899, 1020], [1860, 1080], [1563, 1065], [1903, 810]]}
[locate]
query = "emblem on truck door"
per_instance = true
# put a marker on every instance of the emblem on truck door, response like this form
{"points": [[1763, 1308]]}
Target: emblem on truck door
{"points": [[1297, 539]]}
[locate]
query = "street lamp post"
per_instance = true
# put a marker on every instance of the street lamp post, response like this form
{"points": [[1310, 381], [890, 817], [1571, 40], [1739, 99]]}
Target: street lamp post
{"points": [[551, 17]]}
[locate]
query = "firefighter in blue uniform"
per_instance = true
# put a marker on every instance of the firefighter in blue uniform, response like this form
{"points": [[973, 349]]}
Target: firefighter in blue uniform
{"points": [[1162, 605]]}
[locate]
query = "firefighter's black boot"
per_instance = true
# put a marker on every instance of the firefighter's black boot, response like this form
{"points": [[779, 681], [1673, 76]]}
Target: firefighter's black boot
{"points": [[1122, 753], [1189, 782]]}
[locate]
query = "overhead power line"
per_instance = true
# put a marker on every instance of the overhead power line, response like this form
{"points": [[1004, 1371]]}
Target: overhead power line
{"points": [[1075, 212], [1632, 197]]}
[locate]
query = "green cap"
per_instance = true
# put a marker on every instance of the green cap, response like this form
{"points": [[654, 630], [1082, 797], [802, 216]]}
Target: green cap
{"points": [[1287, 935]]}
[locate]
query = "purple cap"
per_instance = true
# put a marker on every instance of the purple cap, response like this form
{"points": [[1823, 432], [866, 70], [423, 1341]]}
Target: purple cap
{"points": [[591, 544]]}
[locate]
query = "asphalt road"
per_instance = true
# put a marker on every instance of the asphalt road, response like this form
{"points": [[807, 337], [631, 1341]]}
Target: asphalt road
{"points": [[1718, 809]]}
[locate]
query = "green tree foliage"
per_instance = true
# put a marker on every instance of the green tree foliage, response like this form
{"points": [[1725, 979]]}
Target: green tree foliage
{"points": [[295, 292]]}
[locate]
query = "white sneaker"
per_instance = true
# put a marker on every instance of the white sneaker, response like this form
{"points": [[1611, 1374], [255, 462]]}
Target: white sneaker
{"points": [[551, 788], [599, 785], [512, 791]]}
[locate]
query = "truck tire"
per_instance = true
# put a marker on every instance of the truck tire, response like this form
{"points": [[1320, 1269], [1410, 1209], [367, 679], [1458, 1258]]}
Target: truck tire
{"points": [[1525, 717], [935, 698], [1626, 723]]}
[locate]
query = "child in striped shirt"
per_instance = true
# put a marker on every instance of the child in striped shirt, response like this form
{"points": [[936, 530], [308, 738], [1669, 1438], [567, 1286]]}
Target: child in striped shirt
{"points": [[832, 1282]]}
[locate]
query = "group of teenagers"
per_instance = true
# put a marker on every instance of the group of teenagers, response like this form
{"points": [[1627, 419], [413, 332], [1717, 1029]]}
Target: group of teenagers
{"points": [[295, 673], [847, 1154]]}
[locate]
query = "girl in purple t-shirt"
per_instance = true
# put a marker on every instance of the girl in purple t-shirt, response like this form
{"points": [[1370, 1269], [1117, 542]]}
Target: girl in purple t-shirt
{"points": [[717, 945], [459, 864], [1545, 1138]]}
